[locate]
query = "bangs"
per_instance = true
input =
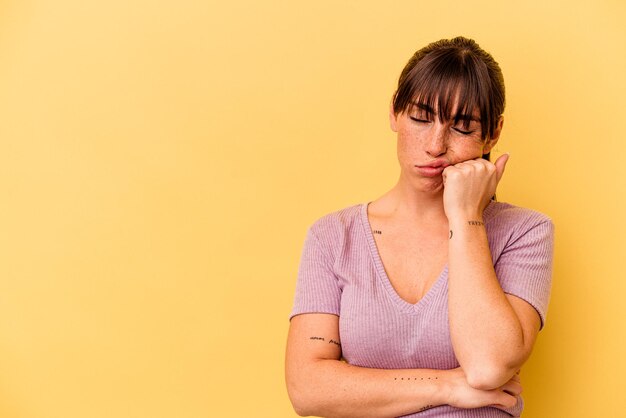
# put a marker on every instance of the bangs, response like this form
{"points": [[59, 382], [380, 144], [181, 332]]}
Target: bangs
{"points": [[443, 78]]}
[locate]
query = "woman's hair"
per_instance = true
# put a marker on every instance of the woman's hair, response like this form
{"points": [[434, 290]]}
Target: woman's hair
{"points": [[440, 71]]}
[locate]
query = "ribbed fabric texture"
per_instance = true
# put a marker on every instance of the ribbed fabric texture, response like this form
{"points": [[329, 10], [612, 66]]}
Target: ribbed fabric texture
{"points": [[341, 273]]}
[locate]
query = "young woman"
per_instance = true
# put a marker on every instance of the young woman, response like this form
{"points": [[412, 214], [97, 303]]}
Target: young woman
{"points": [[427, 301]]}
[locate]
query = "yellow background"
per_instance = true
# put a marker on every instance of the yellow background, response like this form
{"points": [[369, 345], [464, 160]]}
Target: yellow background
{"points": [[161, 161]]}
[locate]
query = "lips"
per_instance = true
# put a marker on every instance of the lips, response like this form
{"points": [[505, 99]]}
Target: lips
{"points": [[435, 164], [433, 169]]}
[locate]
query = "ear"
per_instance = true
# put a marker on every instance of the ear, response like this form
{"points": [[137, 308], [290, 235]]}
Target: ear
{"points": [[393, 119], [491, 142]]}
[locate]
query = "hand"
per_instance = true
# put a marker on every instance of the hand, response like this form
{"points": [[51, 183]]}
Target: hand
{"points": [[469, 186], [462, 395]]}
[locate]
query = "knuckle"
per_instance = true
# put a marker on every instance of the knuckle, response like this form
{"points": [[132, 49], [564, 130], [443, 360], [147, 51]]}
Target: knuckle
{"points": [[454, 174]]}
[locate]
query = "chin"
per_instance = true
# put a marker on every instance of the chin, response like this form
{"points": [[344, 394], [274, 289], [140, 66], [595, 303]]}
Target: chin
{"points": [[433, 185]]}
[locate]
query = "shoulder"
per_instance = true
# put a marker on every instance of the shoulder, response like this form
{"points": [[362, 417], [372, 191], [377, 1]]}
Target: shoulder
{"points": [[334, 229], [501, 215], [510, 226], [338, 221]]}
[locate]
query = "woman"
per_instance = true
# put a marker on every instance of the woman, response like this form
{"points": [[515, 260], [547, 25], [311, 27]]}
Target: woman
{"points": [[432, 294]]}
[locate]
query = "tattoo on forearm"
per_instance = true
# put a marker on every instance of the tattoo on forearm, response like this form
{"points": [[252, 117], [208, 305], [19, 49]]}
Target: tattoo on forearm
{"points": [[450, 234], [377, 231], [337, 343], [426, 407], [477, 223]]}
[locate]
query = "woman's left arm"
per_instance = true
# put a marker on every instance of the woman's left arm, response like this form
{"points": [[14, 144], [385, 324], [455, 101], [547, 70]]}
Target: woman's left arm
{"points": [[492, 332]]}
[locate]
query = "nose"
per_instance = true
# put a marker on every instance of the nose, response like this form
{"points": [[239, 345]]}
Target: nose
{"points": [[437, 141]]}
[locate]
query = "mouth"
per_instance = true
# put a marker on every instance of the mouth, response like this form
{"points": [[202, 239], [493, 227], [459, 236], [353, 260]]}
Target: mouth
{"points": [[432, 170]]}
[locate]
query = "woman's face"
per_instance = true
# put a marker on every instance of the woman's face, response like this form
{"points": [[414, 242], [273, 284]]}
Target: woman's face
{"points": [[426, 146]]}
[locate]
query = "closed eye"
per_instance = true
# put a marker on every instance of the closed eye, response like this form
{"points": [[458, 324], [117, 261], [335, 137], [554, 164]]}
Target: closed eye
{"points": [[463, 132], [419, 120]]}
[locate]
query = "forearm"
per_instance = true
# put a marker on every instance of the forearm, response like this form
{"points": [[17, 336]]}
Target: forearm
{"points": [[486, 334], [332, 388]]}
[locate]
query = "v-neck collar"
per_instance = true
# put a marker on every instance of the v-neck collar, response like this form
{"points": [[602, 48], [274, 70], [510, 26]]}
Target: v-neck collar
{"points": [[405, 306]]}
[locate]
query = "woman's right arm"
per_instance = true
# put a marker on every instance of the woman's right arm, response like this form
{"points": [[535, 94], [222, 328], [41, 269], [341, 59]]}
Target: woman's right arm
{"points": [[320, 384]]}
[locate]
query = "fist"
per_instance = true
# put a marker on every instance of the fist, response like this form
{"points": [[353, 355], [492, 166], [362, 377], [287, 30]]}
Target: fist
{"points": [[469, 186]]}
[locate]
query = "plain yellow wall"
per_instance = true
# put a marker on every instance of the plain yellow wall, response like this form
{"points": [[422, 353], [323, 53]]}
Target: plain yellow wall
{"points": [[161, 161]]}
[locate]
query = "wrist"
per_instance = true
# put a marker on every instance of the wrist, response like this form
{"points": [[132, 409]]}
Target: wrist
{"points": [[446, 388], [439, 387], [466, 220]]}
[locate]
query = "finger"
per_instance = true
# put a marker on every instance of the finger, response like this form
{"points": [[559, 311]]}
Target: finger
{"points": [[500, 165], [444, 174], [512, 388], [513, 391], [504, 400], [448, 170]]}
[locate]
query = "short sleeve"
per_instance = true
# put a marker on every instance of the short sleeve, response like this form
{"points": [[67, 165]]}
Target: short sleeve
{"points": [[524, 267], [317, 287]]}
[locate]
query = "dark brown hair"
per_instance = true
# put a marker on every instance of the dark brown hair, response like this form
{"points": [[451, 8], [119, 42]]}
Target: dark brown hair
{"points": [[440, 71]]}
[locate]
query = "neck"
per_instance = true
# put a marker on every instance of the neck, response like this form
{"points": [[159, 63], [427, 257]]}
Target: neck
{"points": [[416, 205]]}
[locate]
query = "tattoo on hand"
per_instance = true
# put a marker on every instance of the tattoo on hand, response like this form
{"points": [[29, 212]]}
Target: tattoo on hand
{"points": [[477, 223]]}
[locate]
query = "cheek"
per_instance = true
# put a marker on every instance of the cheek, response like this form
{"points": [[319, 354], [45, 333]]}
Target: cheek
{"points": [[407, 142], [466, 150], [401, 149]]}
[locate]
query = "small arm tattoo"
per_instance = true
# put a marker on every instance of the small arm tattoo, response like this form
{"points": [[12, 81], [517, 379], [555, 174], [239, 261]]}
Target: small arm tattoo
{"points": [[377, 231], [426, 407], [334, 342], [477, 223], [337, 343]]}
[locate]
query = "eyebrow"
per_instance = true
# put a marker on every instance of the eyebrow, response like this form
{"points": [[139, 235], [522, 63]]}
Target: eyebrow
{"points": [[458, 116], [463, 116], [424, 107]]}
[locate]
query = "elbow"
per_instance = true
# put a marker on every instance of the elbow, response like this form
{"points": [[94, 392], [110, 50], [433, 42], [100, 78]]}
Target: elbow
{"points": [[301, 400], [300, 410], [489, 377], [306, 403], [299, 406], [491, 373]]}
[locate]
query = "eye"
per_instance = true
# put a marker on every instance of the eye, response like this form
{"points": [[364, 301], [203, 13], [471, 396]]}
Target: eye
{"points": [[419, 120], [462, 132]]}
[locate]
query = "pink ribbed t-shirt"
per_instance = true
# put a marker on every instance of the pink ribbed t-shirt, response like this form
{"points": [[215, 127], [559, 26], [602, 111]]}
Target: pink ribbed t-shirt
{"points": [[341, 273]]}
